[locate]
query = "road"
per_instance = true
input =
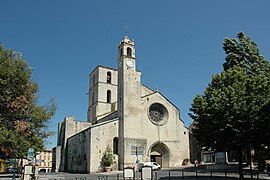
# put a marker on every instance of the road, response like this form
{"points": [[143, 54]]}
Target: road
{"points": [[164, 174], [160, 175]]}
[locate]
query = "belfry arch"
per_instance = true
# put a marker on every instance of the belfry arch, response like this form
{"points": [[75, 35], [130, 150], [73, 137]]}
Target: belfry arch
{"points": [[159, 153]]}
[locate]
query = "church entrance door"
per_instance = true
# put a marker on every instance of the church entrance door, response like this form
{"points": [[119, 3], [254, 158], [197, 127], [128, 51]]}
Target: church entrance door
{"points": [[157, 159], [159, 153]]}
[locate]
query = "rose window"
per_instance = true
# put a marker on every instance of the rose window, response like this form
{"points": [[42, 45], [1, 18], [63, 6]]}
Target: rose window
{"points": [[158, 114]]}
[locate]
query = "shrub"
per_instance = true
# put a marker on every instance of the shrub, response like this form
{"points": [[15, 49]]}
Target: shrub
{"points": [[185, 161], [107, 158]]}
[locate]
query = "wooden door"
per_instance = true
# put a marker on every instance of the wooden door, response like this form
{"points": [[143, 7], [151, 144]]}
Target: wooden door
{"points": [[159, 160]]}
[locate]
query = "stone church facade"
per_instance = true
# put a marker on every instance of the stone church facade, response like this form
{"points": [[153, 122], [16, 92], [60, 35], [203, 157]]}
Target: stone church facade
{"points": [[139, 124]]}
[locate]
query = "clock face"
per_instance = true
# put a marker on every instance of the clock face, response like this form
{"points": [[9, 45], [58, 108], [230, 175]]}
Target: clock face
{"points": [[129, 63]]}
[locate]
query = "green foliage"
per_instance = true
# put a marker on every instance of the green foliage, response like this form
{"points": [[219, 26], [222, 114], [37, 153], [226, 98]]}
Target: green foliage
{"points": [[233, 113], [107, 158], [23, 123], [244, 54]]}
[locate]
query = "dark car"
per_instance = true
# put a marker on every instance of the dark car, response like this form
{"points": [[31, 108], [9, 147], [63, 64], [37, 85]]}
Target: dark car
{"points": [[7, 170], [13, 170]]}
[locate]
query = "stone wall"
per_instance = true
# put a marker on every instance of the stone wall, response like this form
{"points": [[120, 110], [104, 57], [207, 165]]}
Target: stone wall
{"points": [[56, 158], [66, 129], [102, 135], [78, 152]]}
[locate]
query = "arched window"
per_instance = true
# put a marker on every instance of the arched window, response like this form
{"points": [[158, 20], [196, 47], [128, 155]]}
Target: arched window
{"points": [[129, 52], [108, 96], [93, 98], [94, 79], [109, 77], [115, 145], [121, 52]]}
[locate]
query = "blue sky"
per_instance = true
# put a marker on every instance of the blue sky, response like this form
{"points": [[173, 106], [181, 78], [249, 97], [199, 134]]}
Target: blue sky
{"points": [[178, 43]]}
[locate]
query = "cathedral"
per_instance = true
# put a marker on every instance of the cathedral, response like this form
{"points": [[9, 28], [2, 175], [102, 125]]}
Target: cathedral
{"points": [[136, 122]]}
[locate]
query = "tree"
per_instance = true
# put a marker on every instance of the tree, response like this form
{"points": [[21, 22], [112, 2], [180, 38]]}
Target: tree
{"points": [[23, 123], [232, 112]]}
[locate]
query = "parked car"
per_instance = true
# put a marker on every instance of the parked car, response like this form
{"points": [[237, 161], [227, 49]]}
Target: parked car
{"points": [[154, 165], [13, 170]]}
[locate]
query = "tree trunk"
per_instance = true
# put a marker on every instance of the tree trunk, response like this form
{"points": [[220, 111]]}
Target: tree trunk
{"points": [[240, 163]]}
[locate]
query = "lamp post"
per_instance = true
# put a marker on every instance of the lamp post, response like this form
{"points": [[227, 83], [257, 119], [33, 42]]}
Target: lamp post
{"points": [[14, 165], [14, 175], [137, 154], [252, 153]]}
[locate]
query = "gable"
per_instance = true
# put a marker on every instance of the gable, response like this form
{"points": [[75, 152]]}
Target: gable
{"points": [[145, 91], [159, 98]]}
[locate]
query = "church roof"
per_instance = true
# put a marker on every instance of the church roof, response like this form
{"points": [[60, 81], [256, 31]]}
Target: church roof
{"points": [[127, 40]]}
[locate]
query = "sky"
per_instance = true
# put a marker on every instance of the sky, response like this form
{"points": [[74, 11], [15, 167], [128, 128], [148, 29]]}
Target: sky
{"points": [[178, 44]]}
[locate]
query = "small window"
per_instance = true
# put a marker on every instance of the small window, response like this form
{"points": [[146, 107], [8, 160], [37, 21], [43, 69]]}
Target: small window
{"points": [[108, 96], [129, 52], [109, 77], [115, 145]]}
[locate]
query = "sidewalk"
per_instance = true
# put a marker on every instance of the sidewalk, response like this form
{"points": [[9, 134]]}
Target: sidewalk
{"points": [[8, 177]]}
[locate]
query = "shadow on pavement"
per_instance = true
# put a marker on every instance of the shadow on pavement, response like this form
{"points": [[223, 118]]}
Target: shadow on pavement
{"points": [[2, 176], [201, 177]]}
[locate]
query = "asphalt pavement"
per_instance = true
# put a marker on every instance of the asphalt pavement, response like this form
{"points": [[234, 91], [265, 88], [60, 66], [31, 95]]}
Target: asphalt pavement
{"points": [[186, 173]]}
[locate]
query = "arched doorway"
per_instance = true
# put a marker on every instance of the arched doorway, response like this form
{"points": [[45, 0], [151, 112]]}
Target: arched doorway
{"points": [[159, 153]]}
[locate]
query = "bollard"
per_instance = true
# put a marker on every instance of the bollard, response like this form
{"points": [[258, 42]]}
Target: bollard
{"points": [[258, 175], [117, 176], [14, 176], [196, 174], [225, 173], [182, 174], [211, 174], [169, 174], [156, 175]]}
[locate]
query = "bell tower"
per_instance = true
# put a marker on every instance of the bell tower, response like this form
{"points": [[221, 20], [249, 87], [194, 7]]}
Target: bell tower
{"points": [[126, 53], [127, 75], [129, 100]]}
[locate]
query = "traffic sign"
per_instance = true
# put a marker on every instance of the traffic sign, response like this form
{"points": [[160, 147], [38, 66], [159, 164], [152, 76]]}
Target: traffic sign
{"points": [[31, 160]]}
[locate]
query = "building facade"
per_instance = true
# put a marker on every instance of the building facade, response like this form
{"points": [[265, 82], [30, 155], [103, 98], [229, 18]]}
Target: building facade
{"points": [[44, 160], [138, 123]]}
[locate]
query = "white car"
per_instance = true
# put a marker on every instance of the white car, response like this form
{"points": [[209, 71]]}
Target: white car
{"points": [[154, 165]]}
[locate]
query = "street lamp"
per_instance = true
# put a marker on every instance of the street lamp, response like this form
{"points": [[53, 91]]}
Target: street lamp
{"points": [[252, 154]]}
